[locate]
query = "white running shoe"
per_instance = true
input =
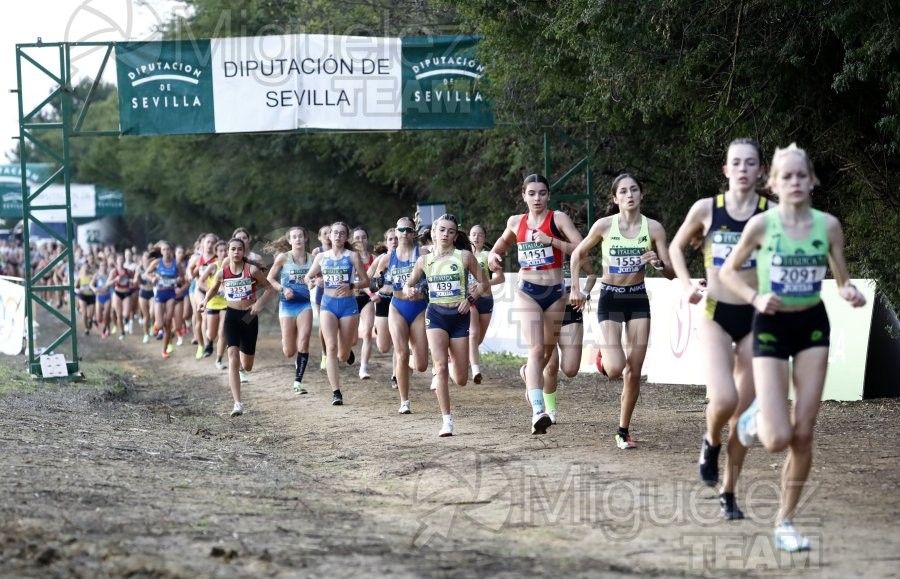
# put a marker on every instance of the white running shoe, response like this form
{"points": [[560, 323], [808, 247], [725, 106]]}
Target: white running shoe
{"points": [[404, 408], [245, 377], [789, 539], [238, 409], [552, 415], [747, 425], [540, 423], [220, 365], [446, 429], [179, 341], [364, 372], [146, 338]]}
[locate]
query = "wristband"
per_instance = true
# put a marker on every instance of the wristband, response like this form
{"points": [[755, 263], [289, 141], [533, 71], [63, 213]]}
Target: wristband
{"points": [[586, 294], [660, 267], [470, 299]]}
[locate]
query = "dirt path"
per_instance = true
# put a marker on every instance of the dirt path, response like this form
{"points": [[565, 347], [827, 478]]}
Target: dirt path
{"points": [[152, 478]]}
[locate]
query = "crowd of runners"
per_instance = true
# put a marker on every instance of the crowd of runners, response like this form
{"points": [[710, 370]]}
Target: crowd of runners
{"points": [[426, 295]]}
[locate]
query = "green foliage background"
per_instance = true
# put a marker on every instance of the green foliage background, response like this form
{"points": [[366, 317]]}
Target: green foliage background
{"points": [[656, 87]]}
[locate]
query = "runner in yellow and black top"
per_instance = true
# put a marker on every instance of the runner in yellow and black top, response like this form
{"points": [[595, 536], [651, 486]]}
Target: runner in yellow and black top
{"points": [[629, 242], [449, 299], [795, 244], [214, 320], [241, 315], [86, 296], [726, 327]]}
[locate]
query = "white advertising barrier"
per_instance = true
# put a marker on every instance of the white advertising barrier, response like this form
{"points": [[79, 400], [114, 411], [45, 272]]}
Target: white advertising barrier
{"points": [[675, 352], [12, 324]]}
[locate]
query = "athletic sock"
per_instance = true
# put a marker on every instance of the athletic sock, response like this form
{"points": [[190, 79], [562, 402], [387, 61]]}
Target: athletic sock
{"points": [[302, 360], [623, 431], [550, 401], [537, 400]]}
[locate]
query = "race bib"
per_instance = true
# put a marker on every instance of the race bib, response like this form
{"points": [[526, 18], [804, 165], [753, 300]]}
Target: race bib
{"points": [[444, 286], [399, 277], [533, 254], [238, 289], [797, 275], [335, 277], [166, 282], [723, 243], [625, 260]]}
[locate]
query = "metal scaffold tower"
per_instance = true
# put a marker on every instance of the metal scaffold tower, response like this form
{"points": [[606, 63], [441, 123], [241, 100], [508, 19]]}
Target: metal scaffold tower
{"points": [[51, 138]]}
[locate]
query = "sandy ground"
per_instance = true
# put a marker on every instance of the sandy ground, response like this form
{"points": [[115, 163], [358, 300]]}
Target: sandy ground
{"points": [[140, 472]]}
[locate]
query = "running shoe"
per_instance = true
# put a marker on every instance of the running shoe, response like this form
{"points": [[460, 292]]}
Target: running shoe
{"points": [[170, 348], [404, 407], [446, 429], [104, 334], [337, 399], [477, 378], [552, 415], [394, 384], [121, 337], [540, 423], [238, 409], [747, 425], [179, 340], [194, 342], [323, 363], [146, 338], [624, 442], [114, 330], [709, 463], [298, 388], [364, 372], [351, 358], [220, 365], [165, 354], [729, 506], [599, 362], [208, 350], [199, 352], [243, 375], [789, 539]]}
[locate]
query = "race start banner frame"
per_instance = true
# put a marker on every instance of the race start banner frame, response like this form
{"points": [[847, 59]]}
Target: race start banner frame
{"points": [[301, 82]]}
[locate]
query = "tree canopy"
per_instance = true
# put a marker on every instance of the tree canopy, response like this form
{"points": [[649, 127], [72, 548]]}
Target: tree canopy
{"points": [[658, 88]]}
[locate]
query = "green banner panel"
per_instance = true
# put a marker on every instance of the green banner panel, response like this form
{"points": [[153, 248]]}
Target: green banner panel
{"points": [[165, 88], [443, 84]]}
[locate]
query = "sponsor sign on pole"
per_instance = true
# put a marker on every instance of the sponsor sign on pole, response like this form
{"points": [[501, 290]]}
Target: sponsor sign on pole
{"points": [[300, 82]]}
